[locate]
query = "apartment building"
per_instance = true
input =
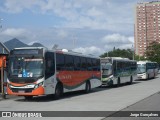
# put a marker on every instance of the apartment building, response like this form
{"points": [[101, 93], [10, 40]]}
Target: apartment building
{"points": [[147, 25]]}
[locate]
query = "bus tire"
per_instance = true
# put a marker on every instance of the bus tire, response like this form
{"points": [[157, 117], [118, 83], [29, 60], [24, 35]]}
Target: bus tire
{"points": [[154, 76], [87, 87], [118, 82], [148, 77], [28, 97], [58, 91], [131, 80], [111, 83]]}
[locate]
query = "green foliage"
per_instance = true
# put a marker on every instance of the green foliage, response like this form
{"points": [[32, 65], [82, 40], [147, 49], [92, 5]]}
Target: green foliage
{"points": [[153, 52], [139, 58], [125, 53]]}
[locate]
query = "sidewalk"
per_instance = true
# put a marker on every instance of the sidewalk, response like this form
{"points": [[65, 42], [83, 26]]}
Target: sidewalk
{"points": [[150, 104]]}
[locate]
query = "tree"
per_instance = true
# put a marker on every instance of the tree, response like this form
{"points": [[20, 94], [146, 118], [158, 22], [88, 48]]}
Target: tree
{"points": [[153, 52], [139, 58], [125, 53]]}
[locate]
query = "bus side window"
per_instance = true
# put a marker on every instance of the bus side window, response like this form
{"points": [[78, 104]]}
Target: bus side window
{"points": [[83, 63], [60, 64], [77, 63], [69, 65], [89, 64], [119, 67], [94, 64], [50, 64], [114, 67], [148, 66], [98, 64]]}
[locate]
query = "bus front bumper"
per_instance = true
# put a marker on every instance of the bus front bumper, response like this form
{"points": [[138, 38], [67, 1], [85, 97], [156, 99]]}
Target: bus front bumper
{"points": [[25, 92], [142, 76]]}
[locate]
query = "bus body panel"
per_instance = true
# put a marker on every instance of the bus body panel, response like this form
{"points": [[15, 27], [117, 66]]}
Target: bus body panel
{"points": [[49, 85], [156, 70], [3, 62], [36, 88]]}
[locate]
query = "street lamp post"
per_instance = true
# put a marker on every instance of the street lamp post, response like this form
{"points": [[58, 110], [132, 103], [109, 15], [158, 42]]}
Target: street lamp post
{"points": [[2, 70], [0, 22], [133, 52]]}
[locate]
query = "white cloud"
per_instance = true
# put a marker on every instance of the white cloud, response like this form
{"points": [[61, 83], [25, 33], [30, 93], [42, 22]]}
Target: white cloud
{"points": [[13, 32], [22, 34], [95, 14], [89, 50], [17, 6], [62, 33], [31, 43], [117, 38], [131, 39], [118, 41], [86, 41]]}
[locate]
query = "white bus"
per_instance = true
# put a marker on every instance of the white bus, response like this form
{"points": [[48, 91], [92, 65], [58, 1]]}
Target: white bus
{"points": [[37, 71], [147, 69], [116, 70]]}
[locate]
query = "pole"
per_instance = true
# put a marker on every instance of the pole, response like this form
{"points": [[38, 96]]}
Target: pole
{"points": [[0, 22], [133, 52]]}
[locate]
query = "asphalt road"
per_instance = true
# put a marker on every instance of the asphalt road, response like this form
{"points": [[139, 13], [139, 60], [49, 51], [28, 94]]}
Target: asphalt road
{"points": [[140, 96]]}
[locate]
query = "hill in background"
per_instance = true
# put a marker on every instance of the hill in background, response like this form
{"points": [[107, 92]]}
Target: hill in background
{"points": [[15, 43]]}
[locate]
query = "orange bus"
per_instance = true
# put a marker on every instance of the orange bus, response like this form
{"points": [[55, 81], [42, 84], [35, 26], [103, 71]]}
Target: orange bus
{"points": [[36, 71], [3, 58], [3, 73]]}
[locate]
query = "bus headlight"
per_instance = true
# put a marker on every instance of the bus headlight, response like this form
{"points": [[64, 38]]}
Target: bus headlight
{"points": [[37, 85], [10, 86]]}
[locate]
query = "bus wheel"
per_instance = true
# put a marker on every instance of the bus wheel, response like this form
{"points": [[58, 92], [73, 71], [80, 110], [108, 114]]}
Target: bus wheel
{"points": [[28, 97], [88, 87], [58, 91], [131, 80], [148, 77], [118, 82], [110, 83]]}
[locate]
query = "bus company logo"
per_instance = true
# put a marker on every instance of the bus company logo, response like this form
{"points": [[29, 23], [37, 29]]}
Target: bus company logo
{"points": [[21, 114], [6, 114]]}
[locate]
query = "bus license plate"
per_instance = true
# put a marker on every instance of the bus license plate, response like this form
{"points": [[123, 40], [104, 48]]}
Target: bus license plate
{"points": [[21, 91]]}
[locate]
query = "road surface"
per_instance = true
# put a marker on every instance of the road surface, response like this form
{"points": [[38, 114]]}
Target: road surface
{"points": [[140, 96]]}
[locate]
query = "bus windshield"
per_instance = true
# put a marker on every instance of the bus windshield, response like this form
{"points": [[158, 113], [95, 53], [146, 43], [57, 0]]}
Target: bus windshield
{"points": [[106, 70], [141, 68], [25, 67]]}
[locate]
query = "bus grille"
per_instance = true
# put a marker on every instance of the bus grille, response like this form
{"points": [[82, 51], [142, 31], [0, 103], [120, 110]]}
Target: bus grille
{"points": [[20, 90]]}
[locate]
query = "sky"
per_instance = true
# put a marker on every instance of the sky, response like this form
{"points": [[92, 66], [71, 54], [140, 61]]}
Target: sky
{"points": [[86, 26]]}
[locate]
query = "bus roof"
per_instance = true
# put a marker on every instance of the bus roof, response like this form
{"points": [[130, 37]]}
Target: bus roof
{"points": [[117, 58], [29, 48], [70, 52], [144, 62], [62, 51]]}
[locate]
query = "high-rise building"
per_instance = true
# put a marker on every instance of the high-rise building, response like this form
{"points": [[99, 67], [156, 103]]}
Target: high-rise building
{"points": [[147, 25]]}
